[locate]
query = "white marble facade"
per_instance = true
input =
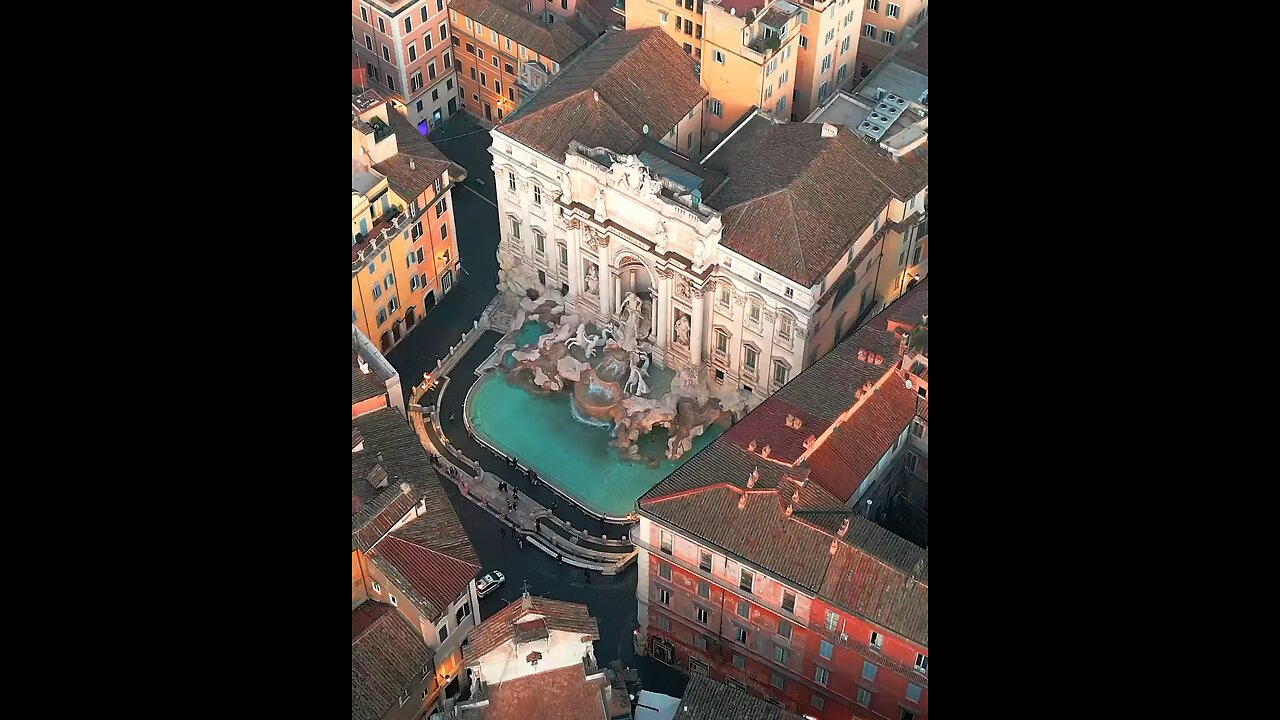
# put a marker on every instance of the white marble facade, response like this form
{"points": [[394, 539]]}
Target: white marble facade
{"points": [[600, 232]]}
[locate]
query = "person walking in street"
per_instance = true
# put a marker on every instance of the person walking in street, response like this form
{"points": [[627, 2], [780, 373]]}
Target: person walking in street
{"points": [[553, 505], [520, 541], [453, 417]]}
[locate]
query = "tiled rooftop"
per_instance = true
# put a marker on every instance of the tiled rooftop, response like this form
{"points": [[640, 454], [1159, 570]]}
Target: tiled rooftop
{"points": [[563, 694], [502, 625], [512, 18], [707, 699], [608, 93], [387, 659]]}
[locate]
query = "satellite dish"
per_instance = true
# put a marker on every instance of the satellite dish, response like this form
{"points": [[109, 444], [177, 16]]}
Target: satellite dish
{"points": [[645, 129]]}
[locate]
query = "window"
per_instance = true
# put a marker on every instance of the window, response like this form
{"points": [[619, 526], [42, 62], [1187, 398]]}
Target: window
{"points": [[664, 596], [922, 663], [913, 690], [431, 70], [471, 48], [417, 230], [817, 702], [665, 542], [873, 5], [382, 26], [540, 244], [753, 312], [662, 18], [821, 675], [704, 561], [750, 356], [444, 232], [784, 629], [784, 326], [777, 681], [788, 601], [376, 587], [515, 228], [424, 11], [426, 41], [493, 34], [887, 36], [413, 52], [663, 623], [869, 31], [386, 55], [891, 11], [688, 144], [444, 31], [832, 620], [864, 697], [480, 53], [470, 26], [408, 24], [368, 43], [442, 207], [822, 91], [715, 107], [701, 643], [780, 372], [722, 343], [877, 640], [415, 82], [804, 41], [740, 634], [868, 670], [844, 44], [719, 56], [831, 35], [413, 281], [443, 631], [782, 105], [537, 191], [746, 579], [391, 84], [664, 571], [377, 293], [704, 589], [464, 612], [702, 615], [364, 13], [393, 305], [484, 79], [564, 254], [739, 663], [780, 655], [394, 602], [744, 608], [789, 292], [723, 295], [825, 649]]}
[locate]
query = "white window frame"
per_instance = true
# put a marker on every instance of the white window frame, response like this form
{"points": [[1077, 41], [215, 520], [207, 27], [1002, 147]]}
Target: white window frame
{"points": [[392, 598], [821, 675], [718, 56], [873, 5], [888, 36], [376, 587], [915, 699], [869, 31], [663, 17], [892, 10], [537, 194]]}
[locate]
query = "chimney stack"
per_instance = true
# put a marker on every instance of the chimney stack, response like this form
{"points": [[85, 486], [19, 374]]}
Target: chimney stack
{"points": [[751, 446], [755, 475], [412, 165], [764, 453], [742, 501], [834, 545], [844, 527], [828, 130]]}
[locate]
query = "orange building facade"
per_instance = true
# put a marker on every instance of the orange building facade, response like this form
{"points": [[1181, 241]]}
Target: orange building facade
{"points": [[506, 49]]}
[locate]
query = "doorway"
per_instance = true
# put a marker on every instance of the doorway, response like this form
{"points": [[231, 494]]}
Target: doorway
{"points": [[488, 112], [428, 301], [410, 316], [453, 106], [663, 651]]}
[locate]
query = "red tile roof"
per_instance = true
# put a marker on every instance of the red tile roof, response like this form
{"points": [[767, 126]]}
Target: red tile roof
{"points": [[417, 163], [435, 577], [511, 18], [852, 450], [606, 96], [797, 200], [387, 660], [502, 625], [563, 694]]}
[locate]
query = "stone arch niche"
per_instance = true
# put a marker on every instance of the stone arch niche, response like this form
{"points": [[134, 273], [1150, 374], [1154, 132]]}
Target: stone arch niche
{"points": [[635, 275]]}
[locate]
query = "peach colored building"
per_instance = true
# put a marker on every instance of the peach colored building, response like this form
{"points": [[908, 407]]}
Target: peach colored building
{"points": [[885, 25], [403, 45], [506, 49], [404, 251], [408, 551], [374, 383]]}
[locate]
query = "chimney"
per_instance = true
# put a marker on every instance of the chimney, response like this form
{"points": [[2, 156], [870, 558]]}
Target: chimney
{"points": [[867, 386], [364, 366], [751, 446], [742, 501], [596, 94], [844, 527], [810, 440], [828, 130], [862, 355], [412, 165], [526, 602], [755, 475], [764, 453], [834, 544], [789, 510]]}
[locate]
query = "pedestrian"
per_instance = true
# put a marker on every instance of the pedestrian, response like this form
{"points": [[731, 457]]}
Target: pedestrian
{"points": [[453, 417], [553, 505], [515, 492], [504, 533], [521, 542], [502, 485]]}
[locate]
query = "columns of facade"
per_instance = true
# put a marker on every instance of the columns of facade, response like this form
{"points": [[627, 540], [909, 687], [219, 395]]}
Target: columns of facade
{"points": [[617, 291], [575, 263], [661, 297], [699, 321], [606, 287]]}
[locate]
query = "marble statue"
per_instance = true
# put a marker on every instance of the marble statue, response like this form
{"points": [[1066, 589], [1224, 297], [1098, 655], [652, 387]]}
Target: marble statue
{"points": [[566, 188], [660, 239], [600, 214], [631, 309], [652, 186], [635, 382], [699, 255], [578, 340], [634, 171], [592, 279], [682, 330]]}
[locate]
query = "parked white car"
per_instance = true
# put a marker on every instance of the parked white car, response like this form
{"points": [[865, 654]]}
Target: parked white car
{"points": [[489, 583]]}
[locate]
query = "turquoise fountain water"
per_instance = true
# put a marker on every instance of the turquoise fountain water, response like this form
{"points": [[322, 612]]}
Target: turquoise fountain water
{"points": [[542, 432]]}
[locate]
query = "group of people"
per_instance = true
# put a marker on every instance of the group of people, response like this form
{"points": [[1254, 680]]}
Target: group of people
{"points": [[451, 471]]}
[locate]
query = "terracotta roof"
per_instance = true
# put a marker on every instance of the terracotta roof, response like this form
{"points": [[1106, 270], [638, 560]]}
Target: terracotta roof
{"points": [[852, 268], [364, 385], [797, 200], [605, 97], [852, 450], [702, 497], [502, 625], [387, 660], [411, 149], [437, 579], [739, 140], [564, 694], [922, 409], [557, 41], [707, 699], [427, 556], [910, 307]]}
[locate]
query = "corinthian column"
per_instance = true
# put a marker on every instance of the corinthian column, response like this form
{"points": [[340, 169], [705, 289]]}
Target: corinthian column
{"points": [[606, 289], [698, 323]]}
